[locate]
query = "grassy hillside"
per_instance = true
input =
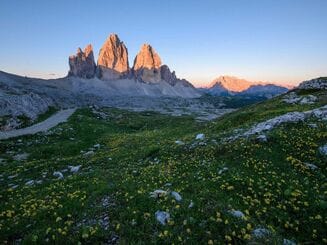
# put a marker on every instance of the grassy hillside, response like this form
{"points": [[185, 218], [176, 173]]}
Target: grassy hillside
{"points": [[108, 199]]}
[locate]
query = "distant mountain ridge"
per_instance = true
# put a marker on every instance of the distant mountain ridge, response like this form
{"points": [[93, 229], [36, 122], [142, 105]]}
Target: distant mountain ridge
{"points": [[230, 85]]}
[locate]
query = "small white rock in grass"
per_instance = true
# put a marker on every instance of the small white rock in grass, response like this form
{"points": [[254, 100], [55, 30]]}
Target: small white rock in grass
{"points": [[58, 174], [21, 157], [191, 205], [323, 150], [158, 193], [12, 176], [179, 142], [97, 146], [237, 214], [260, 232], [199, 137], [262, 138], [311, 166], [12, 186], [89, 154], [30, 182], [162, 217], [312, 125], [223, 170], [74, 169], [176, 195], [288, 242]]}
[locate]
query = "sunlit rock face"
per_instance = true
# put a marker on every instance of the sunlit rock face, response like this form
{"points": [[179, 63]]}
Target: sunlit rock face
{"points": [[147, 65], [82, 64], [232, 84], [113, 59]]}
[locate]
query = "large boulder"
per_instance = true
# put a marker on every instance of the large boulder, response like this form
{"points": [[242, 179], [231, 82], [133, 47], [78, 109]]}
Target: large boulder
{"points": [[82, 64], [147, 64], [113, 59]]}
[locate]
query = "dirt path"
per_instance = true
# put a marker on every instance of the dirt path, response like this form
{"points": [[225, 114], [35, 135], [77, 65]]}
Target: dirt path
{"points": [[51, 122]]}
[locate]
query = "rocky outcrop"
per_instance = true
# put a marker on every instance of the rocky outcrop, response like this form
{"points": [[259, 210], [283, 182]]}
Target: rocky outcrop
{"points": [[293, 98], [82, 64], [113, 59], [170, 77], [147, 64], [317, 83], [29, 105], [167, 75], [290, 117]]}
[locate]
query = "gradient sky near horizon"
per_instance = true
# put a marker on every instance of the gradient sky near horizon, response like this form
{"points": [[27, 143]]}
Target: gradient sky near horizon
{"points": [[283, 41]]}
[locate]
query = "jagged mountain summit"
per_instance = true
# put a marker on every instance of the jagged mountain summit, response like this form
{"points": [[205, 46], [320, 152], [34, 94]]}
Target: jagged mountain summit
{"points": [[147, 65], [113, 59], [230, 85], [82, 64], [113, 66]]}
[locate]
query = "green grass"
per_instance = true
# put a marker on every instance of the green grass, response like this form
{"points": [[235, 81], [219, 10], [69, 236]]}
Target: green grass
{"points": [[268, 181]]}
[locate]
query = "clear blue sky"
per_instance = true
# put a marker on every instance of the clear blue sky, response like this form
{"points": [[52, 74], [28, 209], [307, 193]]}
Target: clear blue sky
{"points": [[271, 40]]}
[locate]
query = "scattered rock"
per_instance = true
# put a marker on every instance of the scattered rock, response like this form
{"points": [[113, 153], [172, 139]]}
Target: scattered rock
{"points": [[237, 214], [309, 99], [191, 205], [74, 169], [106, 202], [288, 242], [293, 98], [179, 142], [320, 113], [199, 137], [58, 174], [158, 193], [223, 170], [162, 217], [176, 195], [30, 182], [262, 138], [12, 176], [312, 125], [21, 157], [260, 232], [97, 146], [89, 154], [323, 150], [311, 166]]}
